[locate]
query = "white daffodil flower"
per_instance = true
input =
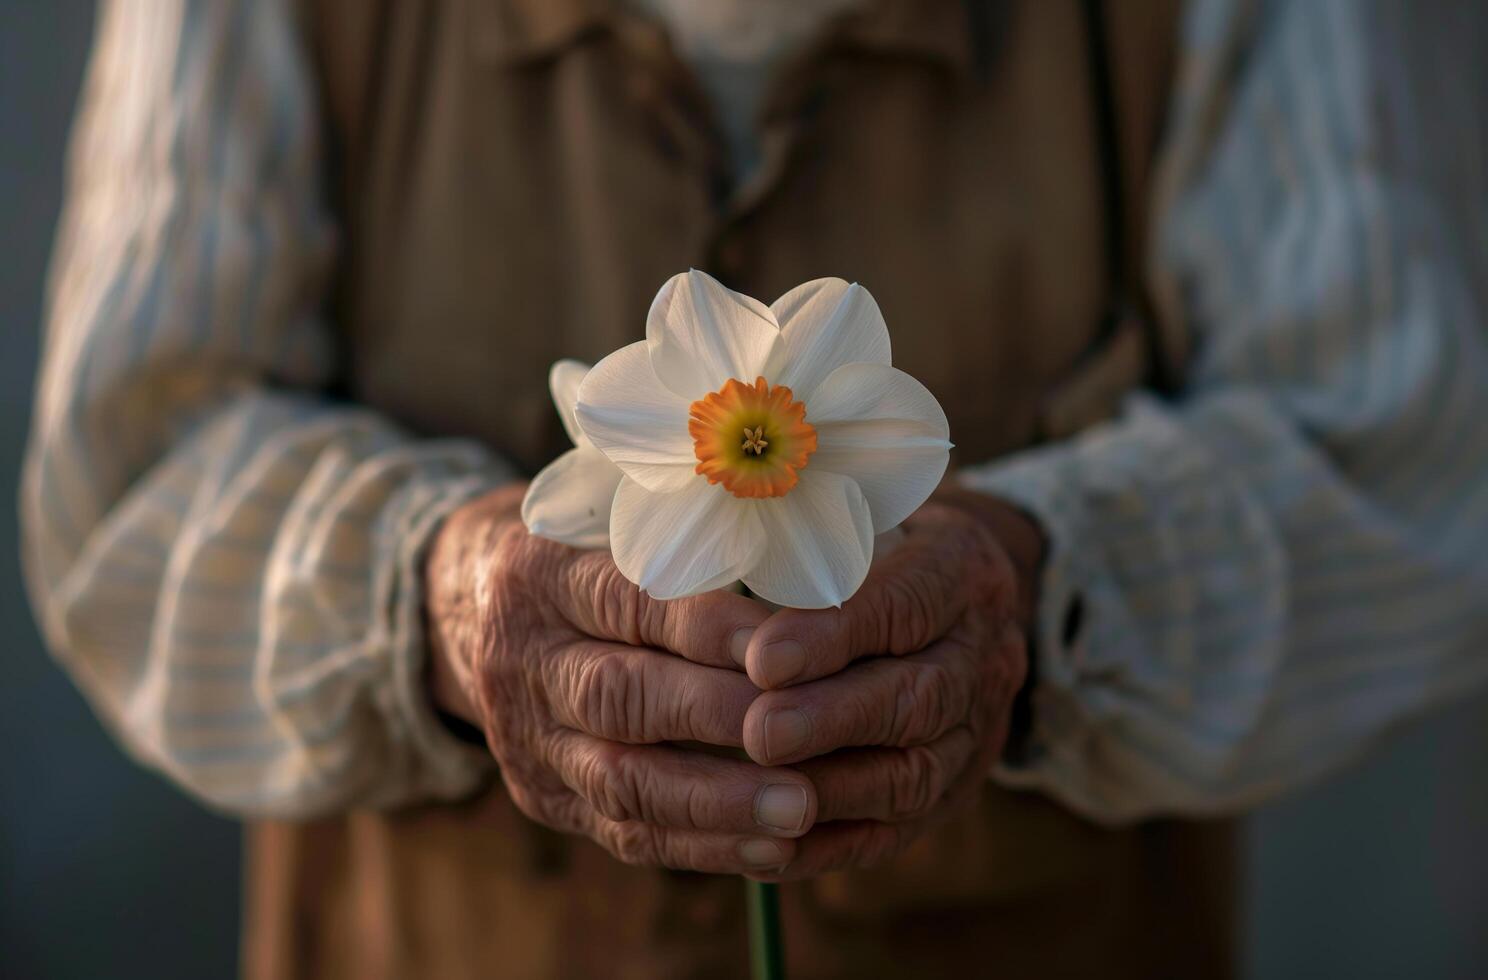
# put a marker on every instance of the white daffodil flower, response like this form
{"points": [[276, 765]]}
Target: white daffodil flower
{"points": [[570, 499], [762, 444]]}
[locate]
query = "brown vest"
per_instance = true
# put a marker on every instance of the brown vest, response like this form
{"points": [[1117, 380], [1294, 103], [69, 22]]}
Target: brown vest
{"points": [[516, 178]]}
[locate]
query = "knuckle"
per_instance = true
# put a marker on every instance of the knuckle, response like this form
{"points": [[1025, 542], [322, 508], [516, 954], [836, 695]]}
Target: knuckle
{"points": [[613, 607], [506, 557], [699, 808], [677, 852], [611, 785], [919, 702], [626, 790], [917, 783], [693, 715], [632, 843], [710, 709], [516, 556], [932, 686], [908, 609], [611, 698], [618, 604], [682, 627], [653, 622]]}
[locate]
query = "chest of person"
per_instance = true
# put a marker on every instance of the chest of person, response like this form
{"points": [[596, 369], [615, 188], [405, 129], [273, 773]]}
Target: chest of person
{"points": [[516, 179]]}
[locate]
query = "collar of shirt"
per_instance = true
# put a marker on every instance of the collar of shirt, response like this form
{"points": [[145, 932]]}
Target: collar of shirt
{"points": [[735, 48], [938, 30]]}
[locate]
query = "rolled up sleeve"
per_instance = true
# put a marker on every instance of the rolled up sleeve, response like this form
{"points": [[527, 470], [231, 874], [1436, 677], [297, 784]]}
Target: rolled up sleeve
{"points": [[227, 561], [1250, 584]]}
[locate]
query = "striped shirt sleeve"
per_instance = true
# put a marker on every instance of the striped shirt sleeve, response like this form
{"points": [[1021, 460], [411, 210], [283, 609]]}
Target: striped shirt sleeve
{"points": [[1292, 557], [225, 561]]}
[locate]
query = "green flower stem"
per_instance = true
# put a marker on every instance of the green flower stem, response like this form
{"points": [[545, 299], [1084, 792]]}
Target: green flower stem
{"points": [[766, 955]]}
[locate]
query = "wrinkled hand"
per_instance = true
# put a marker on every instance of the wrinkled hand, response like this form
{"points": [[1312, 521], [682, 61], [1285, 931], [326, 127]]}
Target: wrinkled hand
{"points": [[575, 677], [897, 705]]}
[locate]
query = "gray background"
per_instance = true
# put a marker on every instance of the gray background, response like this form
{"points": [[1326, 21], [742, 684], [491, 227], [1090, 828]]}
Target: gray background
{"points": [[106, 871]]}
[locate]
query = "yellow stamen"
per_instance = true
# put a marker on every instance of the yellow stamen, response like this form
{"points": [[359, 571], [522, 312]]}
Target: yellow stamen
{"points": [[777, 438], [755, 442]]}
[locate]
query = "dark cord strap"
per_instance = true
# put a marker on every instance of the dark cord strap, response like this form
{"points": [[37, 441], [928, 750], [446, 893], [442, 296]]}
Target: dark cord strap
{"points": [[1124, 291], [1019, 749], [1112, 180]]}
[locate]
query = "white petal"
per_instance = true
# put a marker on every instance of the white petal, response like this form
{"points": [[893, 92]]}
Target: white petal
{"points": [[682, 543], [818, 543], [570, 500], [884, 429], [563, 382], [637, 421], [702, 334], [825, 324]]}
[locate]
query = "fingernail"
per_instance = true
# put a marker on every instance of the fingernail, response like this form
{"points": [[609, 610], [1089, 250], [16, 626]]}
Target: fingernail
{"points": [[782, 662], [786, 730], [761, 852], [739, 644], [781, 806]]}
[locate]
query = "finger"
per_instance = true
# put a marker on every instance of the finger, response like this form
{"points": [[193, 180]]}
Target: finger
{"points": [[648, 845], [856, 844], [890, 785], [910, 598], [711, 629], [893, 701], [637, 695], [651, 845], [845, 845], [673, 787]]}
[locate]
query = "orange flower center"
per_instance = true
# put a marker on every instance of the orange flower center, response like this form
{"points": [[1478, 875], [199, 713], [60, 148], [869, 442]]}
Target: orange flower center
{"points": [[751, 438]]}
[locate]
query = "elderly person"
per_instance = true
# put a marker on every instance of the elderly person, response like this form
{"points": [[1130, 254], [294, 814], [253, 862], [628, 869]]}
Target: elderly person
{"points": [[318, 256]]}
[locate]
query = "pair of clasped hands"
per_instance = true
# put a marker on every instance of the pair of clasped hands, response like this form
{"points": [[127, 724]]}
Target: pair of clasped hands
{"points": [[861, 727]]}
